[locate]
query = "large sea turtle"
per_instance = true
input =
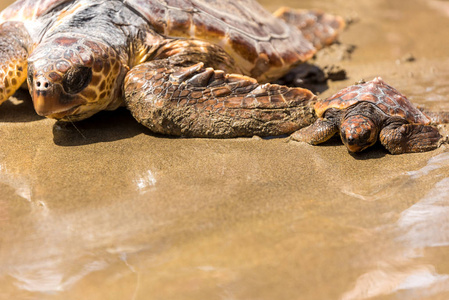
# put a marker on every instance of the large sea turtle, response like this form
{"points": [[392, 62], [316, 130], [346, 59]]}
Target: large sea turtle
{"points": [[182, 67]]}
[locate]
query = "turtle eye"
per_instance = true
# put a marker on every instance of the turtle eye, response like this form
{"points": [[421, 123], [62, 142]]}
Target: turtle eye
{"points": [[77, 79], [331, 114], [366, 135]]}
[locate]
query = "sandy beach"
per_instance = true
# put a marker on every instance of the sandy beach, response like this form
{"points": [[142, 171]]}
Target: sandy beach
{"points": [[106, 209]]}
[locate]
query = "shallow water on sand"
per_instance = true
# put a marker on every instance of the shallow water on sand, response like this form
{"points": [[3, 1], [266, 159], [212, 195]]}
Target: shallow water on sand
{"points": [[110, 211]]}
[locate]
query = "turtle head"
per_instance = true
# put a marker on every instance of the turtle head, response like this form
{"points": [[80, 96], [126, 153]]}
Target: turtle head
{"points": [[72, 78], [358, 132]]}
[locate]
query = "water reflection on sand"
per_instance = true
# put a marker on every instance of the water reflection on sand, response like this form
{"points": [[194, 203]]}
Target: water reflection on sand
{"points": [[422, 226]]}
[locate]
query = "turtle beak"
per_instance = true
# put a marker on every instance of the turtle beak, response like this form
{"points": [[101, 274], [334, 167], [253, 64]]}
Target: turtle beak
{"points": [[354, 144], [50, 101], [354, 147]]}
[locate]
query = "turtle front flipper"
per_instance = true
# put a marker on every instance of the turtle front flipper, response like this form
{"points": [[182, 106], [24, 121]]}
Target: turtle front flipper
{"points": [[409, 138], [14, 43], [196, 101], [317, 133], [321, 29]]}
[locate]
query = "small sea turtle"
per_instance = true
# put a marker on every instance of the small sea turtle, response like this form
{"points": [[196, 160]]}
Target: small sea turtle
{"points": [[364, 112], [182, 67]]}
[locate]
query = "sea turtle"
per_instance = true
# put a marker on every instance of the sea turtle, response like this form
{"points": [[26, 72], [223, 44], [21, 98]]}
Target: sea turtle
{"points": [[195, 68], [363, 112]]}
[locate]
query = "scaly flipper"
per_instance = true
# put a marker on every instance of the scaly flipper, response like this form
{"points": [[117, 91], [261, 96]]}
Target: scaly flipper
{"points": [[319, 28], [317, 133], [407, 138], [198, 101], [14, 43]]}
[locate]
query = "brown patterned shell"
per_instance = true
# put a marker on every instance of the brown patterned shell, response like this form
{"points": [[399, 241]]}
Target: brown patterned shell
{"points": [[252, 35], [384, 96]]}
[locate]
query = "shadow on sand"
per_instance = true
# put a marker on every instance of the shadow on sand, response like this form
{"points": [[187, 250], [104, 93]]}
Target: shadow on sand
{"points": [[311, 77], [106, 126], [19, 108], [374, 152]]}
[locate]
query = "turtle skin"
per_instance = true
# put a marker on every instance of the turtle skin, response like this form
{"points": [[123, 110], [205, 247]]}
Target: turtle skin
{"points": [[192, 68], [371, 111]]}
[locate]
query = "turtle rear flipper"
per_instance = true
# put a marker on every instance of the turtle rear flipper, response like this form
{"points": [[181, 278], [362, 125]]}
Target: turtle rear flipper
{"points": [[409, 138], [14, 41], [321, 29], [195, 101]]}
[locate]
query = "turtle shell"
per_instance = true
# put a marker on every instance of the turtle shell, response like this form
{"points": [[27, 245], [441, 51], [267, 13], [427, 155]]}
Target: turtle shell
{"points": [[23, 10], [258, 41], [264, 47], [385, 97]]}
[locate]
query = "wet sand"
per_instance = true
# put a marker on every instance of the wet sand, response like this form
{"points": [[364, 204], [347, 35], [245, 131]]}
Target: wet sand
{"points": [[107, 210]]}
